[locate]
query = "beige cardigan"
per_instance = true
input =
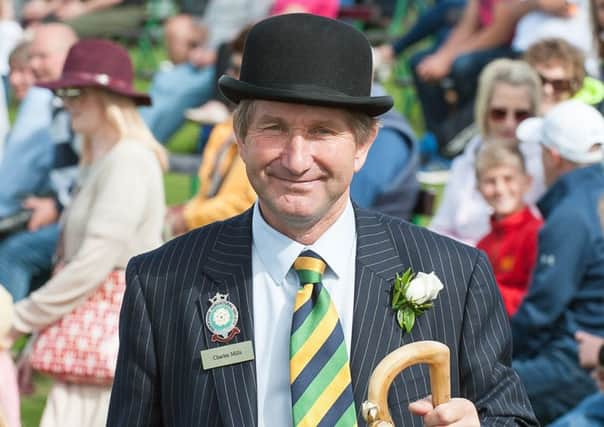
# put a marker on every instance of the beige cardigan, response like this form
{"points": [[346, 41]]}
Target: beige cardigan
{"points": [[117, 213]]}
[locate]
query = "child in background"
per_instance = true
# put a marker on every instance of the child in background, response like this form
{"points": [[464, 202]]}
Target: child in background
{"points": [[511, 245]]}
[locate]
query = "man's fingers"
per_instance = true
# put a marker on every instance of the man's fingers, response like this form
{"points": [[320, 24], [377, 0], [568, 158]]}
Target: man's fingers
{"points": [[421, 407]]}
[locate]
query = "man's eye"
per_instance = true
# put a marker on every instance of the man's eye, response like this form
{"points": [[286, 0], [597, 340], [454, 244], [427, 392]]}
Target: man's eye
{"points": [[321, 131], [272, 128]]}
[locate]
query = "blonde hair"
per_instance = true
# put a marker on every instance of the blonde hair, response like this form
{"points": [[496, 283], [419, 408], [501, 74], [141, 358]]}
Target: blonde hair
{"points": [[122, 114], [511, 72], [496, 153], [362, 125]]}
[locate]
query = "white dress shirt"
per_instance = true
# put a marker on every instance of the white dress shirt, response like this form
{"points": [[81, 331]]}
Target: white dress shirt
{"points": [[275, 285]]}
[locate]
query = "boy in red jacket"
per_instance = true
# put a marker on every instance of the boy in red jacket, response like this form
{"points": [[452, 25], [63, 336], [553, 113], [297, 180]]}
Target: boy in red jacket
{"points": [[511, 245]]}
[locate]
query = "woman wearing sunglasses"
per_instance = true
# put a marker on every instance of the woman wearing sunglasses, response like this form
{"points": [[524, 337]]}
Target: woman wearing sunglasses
{"points": [[509, 91], [561, 69], [116, 213]]}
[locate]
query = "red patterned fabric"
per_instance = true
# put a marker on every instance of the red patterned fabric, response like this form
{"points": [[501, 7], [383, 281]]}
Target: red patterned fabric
{"points": [[82, 346]]}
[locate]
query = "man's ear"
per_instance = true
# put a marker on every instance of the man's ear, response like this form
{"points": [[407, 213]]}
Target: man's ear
{"points": [[363, 148]]}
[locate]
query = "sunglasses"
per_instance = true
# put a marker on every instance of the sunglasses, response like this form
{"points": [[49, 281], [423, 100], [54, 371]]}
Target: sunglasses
{"points": [[558, 85], [68, 93], [499, 114]]}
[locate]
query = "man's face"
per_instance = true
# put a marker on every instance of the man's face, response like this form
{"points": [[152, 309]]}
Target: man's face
{"points": [[47, 56], [300, 160]]}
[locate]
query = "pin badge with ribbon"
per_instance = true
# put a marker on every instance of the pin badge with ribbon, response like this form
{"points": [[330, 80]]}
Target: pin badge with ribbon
{"points": [[221, 318]]}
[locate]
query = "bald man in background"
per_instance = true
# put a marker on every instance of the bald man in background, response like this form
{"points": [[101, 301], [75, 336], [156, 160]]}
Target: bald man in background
{"points": [[38, 169]]}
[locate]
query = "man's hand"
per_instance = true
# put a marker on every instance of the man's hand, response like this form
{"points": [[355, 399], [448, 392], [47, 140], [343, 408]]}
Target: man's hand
{"points": [[556, 7], [202, 57], [71, 10], [44, 212], [456, 412], [434, 67], [589, 347]]}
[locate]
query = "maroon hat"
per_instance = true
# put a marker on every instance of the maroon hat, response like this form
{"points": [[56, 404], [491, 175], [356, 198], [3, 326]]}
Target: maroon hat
{"points": [[98, 63]]}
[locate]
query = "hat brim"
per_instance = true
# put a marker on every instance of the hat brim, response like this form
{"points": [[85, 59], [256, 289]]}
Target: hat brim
{"points": [[530, 130], [236, 90], [75, 82]]}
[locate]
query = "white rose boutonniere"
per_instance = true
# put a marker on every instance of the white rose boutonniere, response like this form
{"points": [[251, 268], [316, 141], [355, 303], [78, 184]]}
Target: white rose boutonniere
{"points": [[412, 295]]}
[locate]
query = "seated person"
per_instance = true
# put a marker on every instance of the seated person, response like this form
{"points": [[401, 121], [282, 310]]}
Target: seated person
{"points": [[572, 25], [191, 83], [182, 34], [387, 181], [39, 168], [225, 190], [565, 294], [511, 245], [508, 92], [561, 69], [88, 18], [438, 20], [590, 412]]}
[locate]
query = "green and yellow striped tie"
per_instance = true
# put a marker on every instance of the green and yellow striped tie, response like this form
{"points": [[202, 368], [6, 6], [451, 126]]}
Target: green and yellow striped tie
{"points": [[318, 361]]}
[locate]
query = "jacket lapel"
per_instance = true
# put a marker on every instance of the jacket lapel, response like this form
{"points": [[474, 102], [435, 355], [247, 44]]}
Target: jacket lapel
{"points": [[229, 265], [375, 329]]}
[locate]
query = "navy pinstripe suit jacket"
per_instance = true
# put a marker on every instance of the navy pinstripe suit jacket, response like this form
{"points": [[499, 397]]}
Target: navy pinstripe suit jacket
{"points": [[159, 379]]}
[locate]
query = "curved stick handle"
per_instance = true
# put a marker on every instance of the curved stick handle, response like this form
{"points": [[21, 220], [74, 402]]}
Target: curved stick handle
{"points": [[435, 354]]}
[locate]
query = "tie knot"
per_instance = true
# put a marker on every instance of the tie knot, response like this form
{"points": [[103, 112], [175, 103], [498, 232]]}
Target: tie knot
{"points": [[310, 267]]}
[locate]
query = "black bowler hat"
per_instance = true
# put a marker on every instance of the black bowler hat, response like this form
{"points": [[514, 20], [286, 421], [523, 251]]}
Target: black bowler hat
{"points": [[306, 59]]}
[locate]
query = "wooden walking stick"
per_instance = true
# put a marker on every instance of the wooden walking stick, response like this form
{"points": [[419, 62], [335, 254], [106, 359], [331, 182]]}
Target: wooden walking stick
{"points": [[435, 354]]}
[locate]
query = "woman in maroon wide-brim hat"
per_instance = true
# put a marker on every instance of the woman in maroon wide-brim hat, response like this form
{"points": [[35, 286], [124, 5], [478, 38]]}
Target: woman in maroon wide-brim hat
{"points": [[117, 212]]}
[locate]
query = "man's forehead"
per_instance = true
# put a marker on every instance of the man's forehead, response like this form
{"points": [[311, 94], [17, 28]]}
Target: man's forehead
{"points": [[266, 110]]}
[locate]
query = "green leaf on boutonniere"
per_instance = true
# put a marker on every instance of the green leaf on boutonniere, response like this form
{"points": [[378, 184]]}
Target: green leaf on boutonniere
{"points": [[406, 318], [401, 283]]}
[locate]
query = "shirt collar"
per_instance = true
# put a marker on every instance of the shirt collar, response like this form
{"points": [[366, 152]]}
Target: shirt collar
{"points": [[278, 252]]}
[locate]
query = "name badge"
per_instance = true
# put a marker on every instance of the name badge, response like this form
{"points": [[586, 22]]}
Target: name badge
{"points": [[227, 355]]}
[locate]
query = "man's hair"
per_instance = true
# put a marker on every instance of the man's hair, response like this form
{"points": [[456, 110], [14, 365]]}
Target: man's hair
{"points": [[511, 72], [493, 154], [550, 50], [20, 54], [361, 124]]}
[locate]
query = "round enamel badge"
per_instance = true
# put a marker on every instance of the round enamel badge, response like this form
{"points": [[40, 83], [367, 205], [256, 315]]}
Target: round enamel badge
{"points": [[221, 318]]}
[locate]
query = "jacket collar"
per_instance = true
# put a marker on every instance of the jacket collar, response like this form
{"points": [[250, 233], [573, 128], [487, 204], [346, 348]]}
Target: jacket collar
{"points": [[583, 176]]}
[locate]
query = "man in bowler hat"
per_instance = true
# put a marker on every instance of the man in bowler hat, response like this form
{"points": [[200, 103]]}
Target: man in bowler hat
{"points": [[277, 317]]}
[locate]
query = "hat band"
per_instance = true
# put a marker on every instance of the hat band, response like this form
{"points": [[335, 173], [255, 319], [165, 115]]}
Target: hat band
{"points": [[99, 78], [308, 89]]}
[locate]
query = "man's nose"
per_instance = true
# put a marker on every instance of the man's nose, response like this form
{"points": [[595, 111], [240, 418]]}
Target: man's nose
{"points": [[297, 157]]}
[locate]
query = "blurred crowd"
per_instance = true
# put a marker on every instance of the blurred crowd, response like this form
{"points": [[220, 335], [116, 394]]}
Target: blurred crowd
{"points": [[511, 91]]}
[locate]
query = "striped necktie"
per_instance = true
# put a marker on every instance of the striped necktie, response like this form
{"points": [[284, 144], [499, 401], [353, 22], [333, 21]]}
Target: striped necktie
{"points": [[318, 361]]}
